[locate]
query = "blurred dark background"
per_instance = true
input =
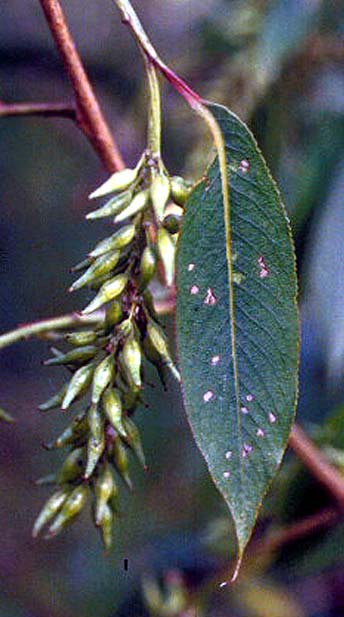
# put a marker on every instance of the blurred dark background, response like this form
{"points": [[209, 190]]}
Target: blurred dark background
{"points": [[279, 65]]}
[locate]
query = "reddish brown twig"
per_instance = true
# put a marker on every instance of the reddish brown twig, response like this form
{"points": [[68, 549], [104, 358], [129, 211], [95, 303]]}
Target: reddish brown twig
{"points": [[307, 526], [89, 114], [307, 452], [38, 109]]}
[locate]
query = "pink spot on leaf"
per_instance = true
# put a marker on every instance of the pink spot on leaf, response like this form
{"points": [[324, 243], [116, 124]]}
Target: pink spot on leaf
{"points": [[260, 432], [215, 360], [194, 290], [244, 166], [272, 418], [208, 396], [263, 269], [210, 298], [247, 449]]}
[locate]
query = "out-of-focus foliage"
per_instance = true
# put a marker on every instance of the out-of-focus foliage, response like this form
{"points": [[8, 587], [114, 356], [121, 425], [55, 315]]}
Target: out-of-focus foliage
{"points": [[278, 64]]}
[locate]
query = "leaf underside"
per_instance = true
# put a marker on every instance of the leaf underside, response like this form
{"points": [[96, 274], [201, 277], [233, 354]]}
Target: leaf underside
{"points": [[237, 324]]}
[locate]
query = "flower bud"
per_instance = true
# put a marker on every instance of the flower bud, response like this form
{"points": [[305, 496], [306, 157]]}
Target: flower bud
{"points": [[106, 523], [50, 478], [125, 329], [149, 303], [120, 460], [158, 341], [79, 355], [138, 203], [82, 265], [100, 267], [166, 250], [113, 314], [78, 384], [75, 433], [103, 376], [154, 358], [77, 339], [131, 358], [160, 192], [104, 485], [110, 290], [96, 441], [6, 417], [133, 440], [54, 401], [119, 181], [70, 509], [118, 240], [180, 190], [131, 398], [147, 267], [50, 508], [72, 467], [112, 207], [112, 405], [172, 223]]}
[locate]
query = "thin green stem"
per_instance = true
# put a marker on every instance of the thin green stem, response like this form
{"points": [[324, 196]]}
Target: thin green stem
{"points": [[154, 117], [39, 328], [130, 18]]}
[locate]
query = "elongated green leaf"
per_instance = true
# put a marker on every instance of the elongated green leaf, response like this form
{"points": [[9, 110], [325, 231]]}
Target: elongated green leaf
{"points": [[237, 324]]}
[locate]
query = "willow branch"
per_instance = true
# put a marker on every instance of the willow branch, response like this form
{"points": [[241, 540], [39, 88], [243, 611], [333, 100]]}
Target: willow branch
{"points": [[277, 539], [312, 458], [298, 530], [89, 114], [38, 109], [39, 328]]}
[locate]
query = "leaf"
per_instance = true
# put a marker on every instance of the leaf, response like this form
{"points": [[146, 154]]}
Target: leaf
{"points": [[237, 324]]}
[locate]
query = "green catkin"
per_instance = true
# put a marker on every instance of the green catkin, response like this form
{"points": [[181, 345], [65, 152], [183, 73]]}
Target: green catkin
{"points": [[106, 360]]}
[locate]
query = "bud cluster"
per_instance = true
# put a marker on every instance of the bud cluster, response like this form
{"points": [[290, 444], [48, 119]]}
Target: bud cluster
{"points": [[106, 362]]}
